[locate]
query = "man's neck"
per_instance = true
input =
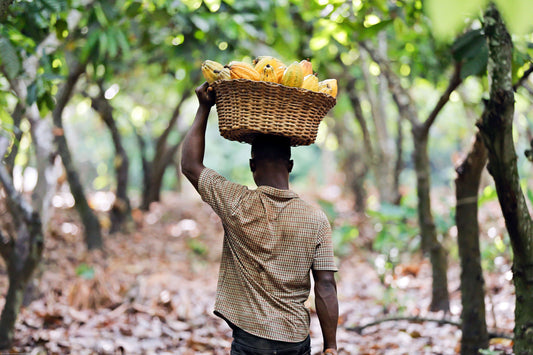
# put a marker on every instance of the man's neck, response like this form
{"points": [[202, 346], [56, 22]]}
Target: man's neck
{"points": [[278, 184]]}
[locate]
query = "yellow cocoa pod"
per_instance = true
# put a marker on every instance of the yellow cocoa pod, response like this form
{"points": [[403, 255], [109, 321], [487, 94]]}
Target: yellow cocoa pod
{"points": [[223, 74], [262, 62], [307, 67], [242, 70], [208, 70], [328, 86], [293, 75], [280, 71], [269, 74], [310, 82]]}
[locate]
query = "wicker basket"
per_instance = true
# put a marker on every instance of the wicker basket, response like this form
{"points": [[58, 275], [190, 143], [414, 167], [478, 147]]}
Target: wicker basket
{"points": [[247, 108]]}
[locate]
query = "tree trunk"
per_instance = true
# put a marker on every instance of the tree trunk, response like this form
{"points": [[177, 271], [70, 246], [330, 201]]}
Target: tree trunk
{"points": [[352, 164], [496, 127], [121, 210], [17, 115], [163, 157], [430, 244], [473, 325], [93, 236], [383, 167], [356, 165], [21, 254], [399, 165]]}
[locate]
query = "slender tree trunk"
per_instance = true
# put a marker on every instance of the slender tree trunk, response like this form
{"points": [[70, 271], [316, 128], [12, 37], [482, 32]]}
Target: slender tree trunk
{"points": [[93, 236], [356, 166], [22, 253], [352, 164], [430, 244], [383, 168], [474, 325], [496, 127], [399, 165], [17, 115], [162, 158], [121, 210]]}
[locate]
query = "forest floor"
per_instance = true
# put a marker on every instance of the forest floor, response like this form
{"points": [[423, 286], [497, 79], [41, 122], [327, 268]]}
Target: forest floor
{"points": [[152, 291]]}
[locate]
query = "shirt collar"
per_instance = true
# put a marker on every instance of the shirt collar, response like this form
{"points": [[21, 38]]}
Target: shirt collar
{"points": [[272, 191]]}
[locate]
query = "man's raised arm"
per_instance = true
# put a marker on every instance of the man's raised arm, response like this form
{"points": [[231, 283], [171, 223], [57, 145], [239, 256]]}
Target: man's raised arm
{"points": [[192, 153]]}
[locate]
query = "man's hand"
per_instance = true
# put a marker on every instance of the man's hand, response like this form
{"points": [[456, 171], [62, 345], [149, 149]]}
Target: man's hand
{"points": [[206, 95]]}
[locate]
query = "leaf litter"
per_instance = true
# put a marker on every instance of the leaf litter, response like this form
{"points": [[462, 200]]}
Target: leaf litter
{"points": [[152, 291]]}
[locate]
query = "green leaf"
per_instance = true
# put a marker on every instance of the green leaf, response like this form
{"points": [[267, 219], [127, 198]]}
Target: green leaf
{"points": [[88, 48], [468, 45], [31, 96], [133, 9], [123, 42], [102, 45], [112, 46], [371, 32], [54, 5], [9, 58], [476, 65], [85, 271]]}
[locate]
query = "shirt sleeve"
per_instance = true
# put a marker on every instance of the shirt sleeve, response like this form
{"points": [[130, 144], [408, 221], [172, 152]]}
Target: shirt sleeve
{"points": [[324, 258], [222, 195]]}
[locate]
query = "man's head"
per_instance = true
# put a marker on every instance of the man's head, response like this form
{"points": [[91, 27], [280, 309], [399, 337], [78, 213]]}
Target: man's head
{"points": [[271, 150]]}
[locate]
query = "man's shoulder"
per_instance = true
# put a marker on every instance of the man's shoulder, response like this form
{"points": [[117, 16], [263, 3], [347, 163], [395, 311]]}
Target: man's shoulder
{"points": [[313, 210]]}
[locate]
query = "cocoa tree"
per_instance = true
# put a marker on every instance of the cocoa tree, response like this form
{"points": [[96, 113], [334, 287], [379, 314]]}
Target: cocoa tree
{"points": [[473, 326], [21, 247], [496, 127]]}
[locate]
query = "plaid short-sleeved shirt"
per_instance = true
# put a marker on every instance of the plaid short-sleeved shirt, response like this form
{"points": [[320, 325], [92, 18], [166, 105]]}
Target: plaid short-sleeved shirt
{"points": [[272, 239]]}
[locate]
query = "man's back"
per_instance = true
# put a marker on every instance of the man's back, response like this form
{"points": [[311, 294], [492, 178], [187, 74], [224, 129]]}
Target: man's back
{"points": [[272, 240]]}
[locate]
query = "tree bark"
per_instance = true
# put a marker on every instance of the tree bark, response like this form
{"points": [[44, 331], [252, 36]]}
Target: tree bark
{"points": [[473, 326], [383, 154], [121, 210], [356, 166], [430, 243], [21, 254], [496, 126], [93, 236], [163, 157], [17, 115]]}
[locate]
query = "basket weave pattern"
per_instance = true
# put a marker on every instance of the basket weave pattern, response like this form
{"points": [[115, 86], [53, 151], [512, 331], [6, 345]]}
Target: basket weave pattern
{"points": [[246, 108]]}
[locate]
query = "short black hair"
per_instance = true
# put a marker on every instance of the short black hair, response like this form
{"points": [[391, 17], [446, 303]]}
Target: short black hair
{"points": [[271, 147]]}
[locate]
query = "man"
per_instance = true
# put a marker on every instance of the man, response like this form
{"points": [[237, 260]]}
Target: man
{"points": [[272, 240]]}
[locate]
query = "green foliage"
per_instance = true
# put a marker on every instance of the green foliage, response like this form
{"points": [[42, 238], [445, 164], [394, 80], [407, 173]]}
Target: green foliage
{"points": [[471, 49], [9, 58], [197, 247], [342, 236], [395, 227], [489, 194], [85, 271], [448, 17]]}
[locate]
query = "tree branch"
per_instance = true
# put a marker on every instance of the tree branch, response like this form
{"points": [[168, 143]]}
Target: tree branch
{"points": [[359, 329], [455, 81], [523, 78], [399, 93]]}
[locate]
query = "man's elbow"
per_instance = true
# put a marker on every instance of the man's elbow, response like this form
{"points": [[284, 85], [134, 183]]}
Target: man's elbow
{"points": [[191, 170]]}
